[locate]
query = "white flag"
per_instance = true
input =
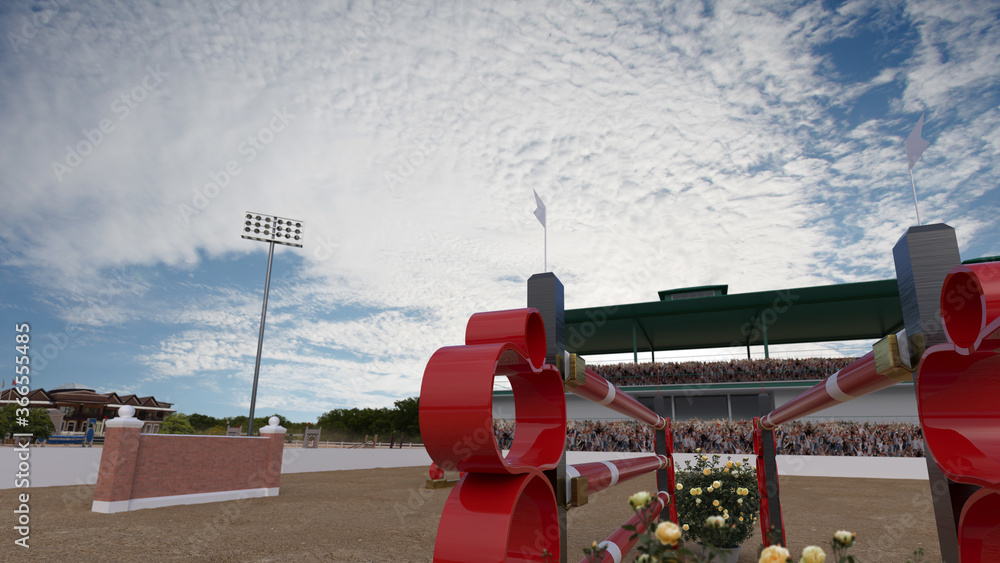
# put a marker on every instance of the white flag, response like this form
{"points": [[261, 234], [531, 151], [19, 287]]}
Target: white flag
{"points": [[540, 210], [914, 144]]}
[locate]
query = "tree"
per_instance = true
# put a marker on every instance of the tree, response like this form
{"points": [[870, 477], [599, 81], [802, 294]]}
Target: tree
{"points": [[39, 423], [202, 422], [356, 423], [176, 424], [407, 417]]}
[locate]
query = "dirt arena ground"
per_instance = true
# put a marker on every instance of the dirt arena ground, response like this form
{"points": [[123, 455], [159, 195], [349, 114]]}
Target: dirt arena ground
{"points": [[388, 515]]}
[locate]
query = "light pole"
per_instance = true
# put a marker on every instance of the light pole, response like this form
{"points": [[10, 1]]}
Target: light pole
{"points": [[272, 230]]}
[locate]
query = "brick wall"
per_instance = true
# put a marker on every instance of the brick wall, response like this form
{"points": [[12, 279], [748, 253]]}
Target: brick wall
{"points": [[153, 466]]}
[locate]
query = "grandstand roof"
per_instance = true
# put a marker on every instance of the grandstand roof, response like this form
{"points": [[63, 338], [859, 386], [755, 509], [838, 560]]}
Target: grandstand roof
{"points": [[850, 311]]}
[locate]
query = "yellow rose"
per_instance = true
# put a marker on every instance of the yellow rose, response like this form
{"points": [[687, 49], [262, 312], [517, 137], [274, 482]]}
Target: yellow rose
{"points": [[717, 484], [739, 500], [715, 522], [710, 488], [715, 503], [741, 518], [774, 554], [668, 533], [704, 458], [844, 538], [686, 527], [707, 471], [729, 464], [679, 486], [639, 500], [726, 470], [738, 464], [813, 554]]}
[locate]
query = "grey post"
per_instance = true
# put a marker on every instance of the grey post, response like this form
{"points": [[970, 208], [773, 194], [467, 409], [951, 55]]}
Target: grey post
{"points": [[923, 257], [545, 293], [765, 404]]}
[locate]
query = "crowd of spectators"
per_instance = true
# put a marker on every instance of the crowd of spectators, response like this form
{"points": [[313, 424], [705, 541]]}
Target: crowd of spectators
{"points": [[771, 369], [895, 439]]}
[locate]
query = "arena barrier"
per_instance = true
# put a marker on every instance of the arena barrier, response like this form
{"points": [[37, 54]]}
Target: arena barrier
{"points": [[153, 470], [957, 396], [508, 508]]}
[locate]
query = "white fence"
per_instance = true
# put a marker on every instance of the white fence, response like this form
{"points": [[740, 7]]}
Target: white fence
{"points": [[53, 467]]}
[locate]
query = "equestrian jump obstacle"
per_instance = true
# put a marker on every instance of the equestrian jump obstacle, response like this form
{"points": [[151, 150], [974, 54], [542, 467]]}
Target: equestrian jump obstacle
{"points": [[956, 387], [512, 508], [507, 508]]}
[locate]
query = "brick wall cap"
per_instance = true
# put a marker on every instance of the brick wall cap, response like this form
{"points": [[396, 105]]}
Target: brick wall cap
{"points": [[124, 423], [272, 426]]}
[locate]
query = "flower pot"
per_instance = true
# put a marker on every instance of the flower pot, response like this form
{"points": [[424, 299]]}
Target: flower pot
{"points": [[722, 554]]}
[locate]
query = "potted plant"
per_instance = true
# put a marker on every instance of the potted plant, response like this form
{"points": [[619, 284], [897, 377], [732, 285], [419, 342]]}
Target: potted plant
{"points": [[717, 504]]}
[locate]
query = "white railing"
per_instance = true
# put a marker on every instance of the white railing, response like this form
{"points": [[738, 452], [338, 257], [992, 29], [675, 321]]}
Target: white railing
{"points": [[368, 445]]}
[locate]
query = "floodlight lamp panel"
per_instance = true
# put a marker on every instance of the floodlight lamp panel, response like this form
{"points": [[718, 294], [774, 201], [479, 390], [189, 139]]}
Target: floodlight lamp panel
{"points": [[271, 228]]}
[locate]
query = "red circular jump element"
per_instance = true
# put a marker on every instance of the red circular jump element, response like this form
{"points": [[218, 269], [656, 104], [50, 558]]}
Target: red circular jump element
{"points": [[979, 529], [456, 410], [957, 398], [482, 507], [435, 472], [970, 300], [522, 327], [958, 383]]}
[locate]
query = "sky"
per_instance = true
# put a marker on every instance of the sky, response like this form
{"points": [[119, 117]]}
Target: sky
{"points": [[754, 144]]}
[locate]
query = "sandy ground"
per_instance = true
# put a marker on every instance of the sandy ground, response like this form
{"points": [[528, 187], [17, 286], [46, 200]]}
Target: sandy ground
{"points": [[388, 515]]}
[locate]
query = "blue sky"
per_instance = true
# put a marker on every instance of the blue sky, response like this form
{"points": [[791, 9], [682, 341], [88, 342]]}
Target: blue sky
{"points": [[758, 145]]}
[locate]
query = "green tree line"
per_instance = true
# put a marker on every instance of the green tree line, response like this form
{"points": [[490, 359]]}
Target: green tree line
{"points": [[351, 425]]}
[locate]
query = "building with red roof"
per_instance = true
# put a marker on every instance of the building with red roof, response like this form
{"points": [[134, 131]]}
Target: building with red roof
{"points": [[72, 405]]}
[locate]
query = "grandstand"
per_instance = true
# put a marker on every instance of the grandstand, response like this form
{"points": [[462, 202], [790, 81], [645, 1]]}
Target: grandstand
{"points": [[732, 400], [710, 318]]}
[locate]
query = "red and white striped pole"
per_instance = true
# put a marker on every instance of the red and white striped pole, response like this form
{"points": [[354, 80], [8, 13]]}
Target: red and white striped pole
{"points": [[857, 379], [603, 475], [621, 541], [602, 392]]}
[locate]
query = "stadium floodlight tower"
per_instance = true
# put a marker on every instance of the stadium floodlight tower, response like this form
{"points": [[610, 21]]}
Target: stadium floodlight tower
{"points": [[272, 230]]}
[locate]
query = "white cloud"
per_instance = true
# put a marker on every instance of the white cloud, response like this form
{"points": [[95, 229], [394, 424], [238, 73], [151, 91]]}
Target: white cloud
{"points": [[672, 147]]}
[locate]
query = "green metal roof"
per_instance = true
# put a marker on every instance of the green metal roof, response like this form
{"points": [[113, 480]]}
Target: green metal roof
{"points": [[851, 311], [982, 260], [682, 293]]}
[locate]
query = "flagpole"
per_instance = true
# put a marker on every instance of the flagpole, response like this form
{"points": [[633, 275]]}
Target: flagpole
{"points": [[545, 247], [914, 186]]}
